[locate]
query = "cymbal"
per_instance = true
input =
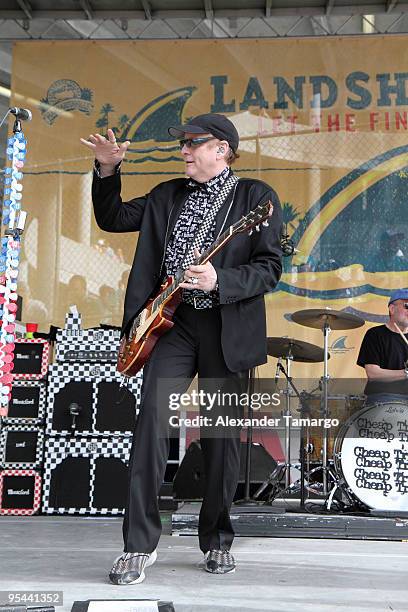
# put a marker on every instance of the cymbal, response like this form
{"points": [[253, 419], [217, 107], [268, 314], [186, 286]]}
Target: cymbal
{"points": [[297, 350], [318, 317]]}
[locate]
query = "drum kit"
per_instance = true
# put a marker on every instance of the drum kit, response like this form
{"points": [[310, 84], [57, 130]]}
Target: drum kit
{"points": [[364, 461]]}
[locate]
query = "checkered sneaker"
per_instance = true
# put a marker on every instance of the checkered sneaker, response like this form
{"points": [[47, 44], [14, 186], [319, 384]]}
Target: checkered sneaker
{"points": [[129, 567], [219, 562]]}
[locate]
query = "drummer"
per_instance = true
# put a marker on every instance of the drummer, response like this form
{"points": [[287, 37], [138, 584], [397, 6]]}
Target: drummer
{"points": [[384, 353]]}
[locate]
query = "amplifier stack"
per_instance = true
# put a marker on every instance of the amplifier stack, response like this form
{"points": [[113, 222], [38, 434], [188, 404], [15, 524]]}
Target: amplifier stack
{"points": [[66, 441], [22, 432], [90, 419]]}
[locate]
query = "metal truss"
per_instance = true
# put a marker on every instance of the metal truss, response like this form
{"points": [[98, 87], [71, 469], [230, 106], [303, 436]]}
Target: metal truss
{"points": [[271, 18]]}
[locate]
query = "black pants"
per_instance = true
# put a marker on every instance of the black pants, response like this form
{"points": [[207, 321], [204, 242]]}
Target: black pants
{"points": [[192, 346]]}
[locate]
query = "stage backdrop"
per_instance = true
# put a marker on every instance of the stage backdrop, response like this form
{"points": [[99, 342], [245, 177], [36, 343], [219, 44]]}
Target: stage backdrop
{"points": [[324, 121]]}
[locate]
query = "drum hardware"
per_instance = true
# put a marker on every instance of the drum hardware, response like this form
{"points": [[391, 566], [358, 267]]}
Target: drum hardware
{"points": [[289, 349], [340, 486], [326, 320], [274, 479], [285, 467]]}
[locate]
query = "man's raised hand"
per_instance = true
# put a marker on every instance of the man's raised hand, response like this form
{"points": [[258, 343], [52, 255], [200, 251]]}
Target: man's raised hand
{"points": [[107, 151]]}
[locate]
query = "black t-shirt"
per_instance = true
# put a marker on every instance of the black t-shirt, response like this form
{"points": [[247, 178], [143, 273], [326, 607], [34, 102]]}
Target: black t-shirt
{"points": [[387, 349]]}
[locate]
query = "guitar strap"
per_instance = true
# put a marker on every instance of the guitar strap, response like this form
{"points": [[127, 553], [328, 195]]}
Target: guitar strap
{"points": [[208, 220]]}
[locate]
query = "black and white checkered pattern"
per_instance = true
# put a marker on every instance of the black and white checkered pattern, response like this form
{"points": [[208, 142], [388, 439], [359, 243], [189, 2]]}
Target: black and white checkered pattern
{"points": [[203, 298], [94, 344], [209, 220], [62, 373], [195, 228], [21, 465], [59, 448], [41, 406], [192, 215], [73, 323]]}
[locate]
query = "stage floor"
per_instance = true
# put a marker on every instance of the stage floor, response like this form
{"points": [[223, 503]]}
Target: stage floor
{"points": [[291, 575], [287, 521]]}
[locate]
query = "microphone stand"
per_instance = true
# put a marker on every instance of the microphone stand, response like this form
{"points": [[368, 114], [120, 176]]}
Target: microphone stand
{"points": [[247, 500], [13, 218]]}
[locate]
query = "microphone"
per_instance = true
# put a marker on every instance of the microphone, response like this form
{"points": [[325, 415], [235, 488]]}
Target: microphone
{"points": [[74, 411], [21, 113], [278, 367]]}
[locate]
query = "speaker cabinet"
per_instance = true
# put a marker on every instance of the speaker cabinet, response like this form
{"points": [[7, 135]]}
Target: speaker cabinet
{"points": [[189, 481], [86, 475], [30, 359], [21, 447], [27, 404], [93, 391], [20, 492]]}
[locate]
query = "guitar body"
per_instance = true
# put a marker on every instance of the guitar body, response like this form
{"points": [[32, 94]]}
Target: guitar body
{"points": [[135, 351], [156, 318]]}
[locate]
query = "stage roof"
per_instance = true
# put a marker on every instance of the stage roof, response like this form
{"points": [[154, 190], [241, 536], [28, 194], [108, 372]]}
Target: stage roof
{"points": [[158, 19]]}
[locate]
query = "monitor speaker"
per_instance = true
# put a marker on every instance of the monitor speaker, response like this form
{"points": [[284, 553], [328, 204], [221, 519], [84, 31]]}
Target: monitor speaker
{"points": [[189, 481]]}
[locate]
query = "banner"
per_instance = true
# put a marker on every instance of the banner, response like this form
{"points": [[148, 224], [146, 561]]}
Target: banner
{"points": [[324, 121]]}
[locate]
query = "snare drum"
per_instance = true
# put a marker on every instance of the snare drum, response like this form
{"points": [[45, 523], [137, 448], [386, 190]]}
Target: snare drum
{"points": [[371, 455]]}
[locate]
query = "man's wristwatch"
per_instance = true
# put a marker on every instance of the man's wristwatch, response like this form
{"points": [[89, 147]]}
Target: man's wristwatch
{"points": [[406, 372]]}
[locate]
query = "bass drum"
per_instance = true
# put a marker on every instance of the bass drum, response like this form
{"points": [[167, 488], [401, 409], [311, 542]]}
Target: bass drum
{"points": [[371, 455]]}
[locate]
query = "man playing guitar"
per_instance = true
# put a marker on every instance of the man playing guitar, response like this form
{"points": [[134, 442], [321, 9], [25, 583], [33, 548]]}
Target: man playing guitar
{"points": [[219, 329]]}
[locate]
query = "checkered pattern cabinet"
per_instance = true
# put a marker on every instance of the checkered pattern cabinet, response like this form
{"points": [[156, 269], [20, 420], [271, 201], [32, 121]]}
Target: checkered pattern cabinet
{"points": [[105, 408], [86, 475], [21, 447], [90, 418], [95, 345]]}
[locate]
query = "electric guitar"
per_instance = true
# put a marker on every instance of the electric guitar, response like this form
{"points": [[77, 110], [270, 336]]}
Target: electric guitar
{"points": [[156, 317]]}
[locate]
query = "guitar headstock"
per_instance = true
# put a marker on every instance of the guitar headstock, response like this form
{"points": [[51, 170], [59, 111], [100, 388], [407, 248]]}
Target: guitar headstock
{"points": [[253, 220]]}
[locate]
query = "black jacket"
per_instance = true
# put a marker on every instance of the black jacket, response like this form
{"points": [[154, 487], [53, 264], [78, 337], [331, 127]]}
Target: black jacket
{"points": [[247, 267]]}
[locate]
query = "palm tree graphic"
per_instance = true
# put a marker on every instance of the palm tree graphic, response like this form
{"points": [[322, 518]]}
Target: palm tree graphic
{"points": [[289, 214], [103, 121]]}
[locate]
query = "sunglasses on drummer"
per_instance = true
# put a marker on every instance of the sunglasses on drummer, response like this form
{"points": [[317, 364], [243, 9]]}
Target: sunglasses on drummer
{"points": [[194, 142]]}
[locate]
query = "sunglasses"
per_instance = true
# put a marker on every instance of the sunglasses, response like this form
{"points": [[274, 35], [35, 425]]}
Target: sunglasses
{"points": [[194, 142]]}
